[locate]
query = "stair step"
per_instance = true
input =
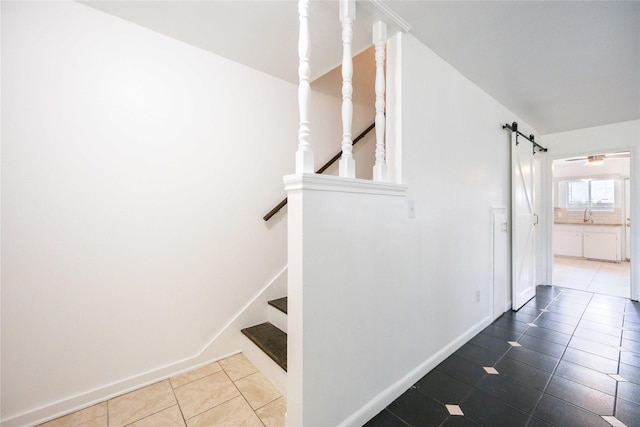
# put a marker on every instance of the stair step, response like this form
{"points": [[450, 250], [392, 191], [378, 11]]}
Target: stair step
{"points": [[271, 340], [280, 304]]}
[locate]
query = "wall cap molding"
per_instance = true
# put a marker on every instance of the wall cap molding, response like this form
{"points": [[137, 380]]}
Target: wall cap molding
{"points": [[392, 15], [319, 182]]}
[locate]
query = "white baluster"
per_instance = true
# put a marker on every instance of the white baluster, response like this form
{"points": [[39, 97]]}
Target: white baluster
{"points": [[347, 165], [380, 40], [304, 155]]}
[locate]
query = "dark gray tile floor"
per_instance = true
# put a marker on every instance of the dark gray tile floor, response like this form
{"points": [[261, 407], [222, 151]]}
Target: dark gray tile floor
{"points": [[576, 363]]}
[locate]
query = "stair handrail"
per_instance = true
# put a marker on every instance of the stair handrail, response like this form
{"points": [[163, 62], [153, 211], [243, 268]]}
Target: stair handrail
{"points": [[323, 168]]}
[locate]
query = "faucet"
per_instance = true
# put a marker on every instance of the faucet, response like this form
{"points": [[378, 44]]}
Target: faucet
{"points": [[588, 216]]}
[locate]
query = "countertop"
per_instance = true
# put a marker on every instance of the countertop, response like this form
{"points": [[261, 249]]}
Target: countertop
{"points": [[588, 223]]}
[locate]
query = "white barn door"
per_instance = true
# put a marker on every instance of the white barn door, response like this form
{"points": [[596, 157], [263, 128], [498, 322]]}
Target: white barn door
{"points": [[523, 220]]}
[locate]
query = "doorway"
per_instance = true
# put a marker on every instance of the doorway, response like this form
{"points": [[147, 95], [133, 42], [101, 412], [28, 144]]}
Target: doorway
{"points": [[591, 210]]}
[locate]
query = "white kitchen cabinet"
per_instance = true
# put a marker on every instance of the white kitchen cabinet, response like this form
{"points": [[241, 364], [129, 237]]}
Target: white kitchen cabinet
{"points": [[602, 243], [567, 240], [599, 242], [567, 243]]}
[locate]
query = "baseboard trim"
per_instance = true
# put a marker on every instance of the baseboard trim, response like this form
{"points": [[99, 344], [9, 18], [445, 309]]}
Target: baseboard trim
{"points": [[100, 394], [225, 343], [384, 398]]}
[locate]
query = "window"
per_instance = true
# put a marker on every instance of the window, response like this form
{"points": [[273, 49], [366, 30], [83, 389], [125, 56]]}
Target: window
{"points": [[594, 194]]}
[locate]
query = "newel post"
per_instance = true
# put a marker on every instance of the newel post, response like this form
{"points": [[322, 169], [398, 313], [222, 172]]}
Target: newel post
{"points": [[304, 155], [347, 165], [379, 41]]}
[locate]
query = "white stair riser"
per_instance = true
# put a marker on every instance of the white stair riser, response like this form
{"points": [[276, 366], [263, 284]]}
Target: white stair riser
{"points": [[277, 318], [270, 369]]}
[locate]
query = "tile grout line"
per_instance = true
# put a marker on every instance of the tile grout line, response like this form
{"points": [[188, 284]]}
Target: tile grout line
{"points": [[221, 403], [464, 398], [240, 391], [507, 351], [561, 358], [173, 390], [109, 408], [525, 331], [555, 368], [398, 417], [242, 394], [588, 304], [594, 276], [153, 413], [624, 321]]}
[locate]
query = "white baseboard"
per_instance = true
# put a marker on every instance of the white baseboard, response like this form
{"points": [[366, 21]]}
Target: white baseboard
{"points": [[223, 344], [384, 398]]}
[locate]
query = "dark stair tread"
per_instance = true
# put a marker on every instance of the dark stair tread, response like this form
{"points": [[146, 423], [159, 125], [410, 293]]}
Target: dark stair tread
{"points": [[280, 304], [271, 340]]}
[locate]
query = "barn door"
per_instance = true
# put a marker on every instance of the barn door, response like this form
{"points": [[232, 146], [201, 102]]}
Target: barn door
{"points": [[523, 220]]}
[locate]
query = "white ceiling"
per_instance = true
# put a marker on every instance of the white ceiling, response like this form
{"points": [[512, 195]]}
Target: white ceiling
{"points": [[262, 34], [559, 65]]}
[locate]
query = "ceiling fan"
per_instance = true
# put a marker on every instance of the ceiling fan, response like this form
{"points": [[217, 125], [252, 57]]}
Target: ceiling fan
{"points": [[598, 159]]}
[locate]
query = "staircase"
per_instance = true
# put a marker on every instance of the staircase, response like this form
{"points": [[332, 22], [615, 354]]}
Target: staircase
{"points": [[271, 336]]}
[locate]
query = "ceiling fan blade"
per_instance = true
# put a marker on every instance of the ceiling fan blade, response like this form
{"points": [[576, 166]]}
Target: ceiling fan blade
{"points": [[576, 159], [608, 156], [617, 155]]}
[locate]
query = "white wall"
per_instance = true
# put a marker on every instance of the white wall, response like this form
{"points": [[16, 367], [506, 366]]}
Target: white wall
{"points": [[326, 115], [135, 173], [346, 250], [456, 161], [400, 294], [623, 136], [326, 134], [577, 169]]}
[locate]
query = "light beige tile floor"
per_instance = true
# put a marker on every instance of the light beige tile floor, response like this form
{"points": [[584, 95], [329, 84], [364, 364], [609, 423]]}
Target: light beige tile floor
{"points": [[230, 392], [601, 277]]}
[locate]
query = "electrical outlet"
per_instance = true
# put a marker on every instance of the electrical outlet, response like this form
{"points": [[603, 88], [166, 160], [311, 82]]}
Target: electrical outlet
{"points": [[477, 296]]}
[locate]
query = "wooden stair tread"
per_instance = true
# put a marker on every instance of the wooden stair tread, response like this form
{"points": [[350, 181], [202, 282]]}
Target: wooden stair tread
{"points": [[280, 304], [271, 340]]}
